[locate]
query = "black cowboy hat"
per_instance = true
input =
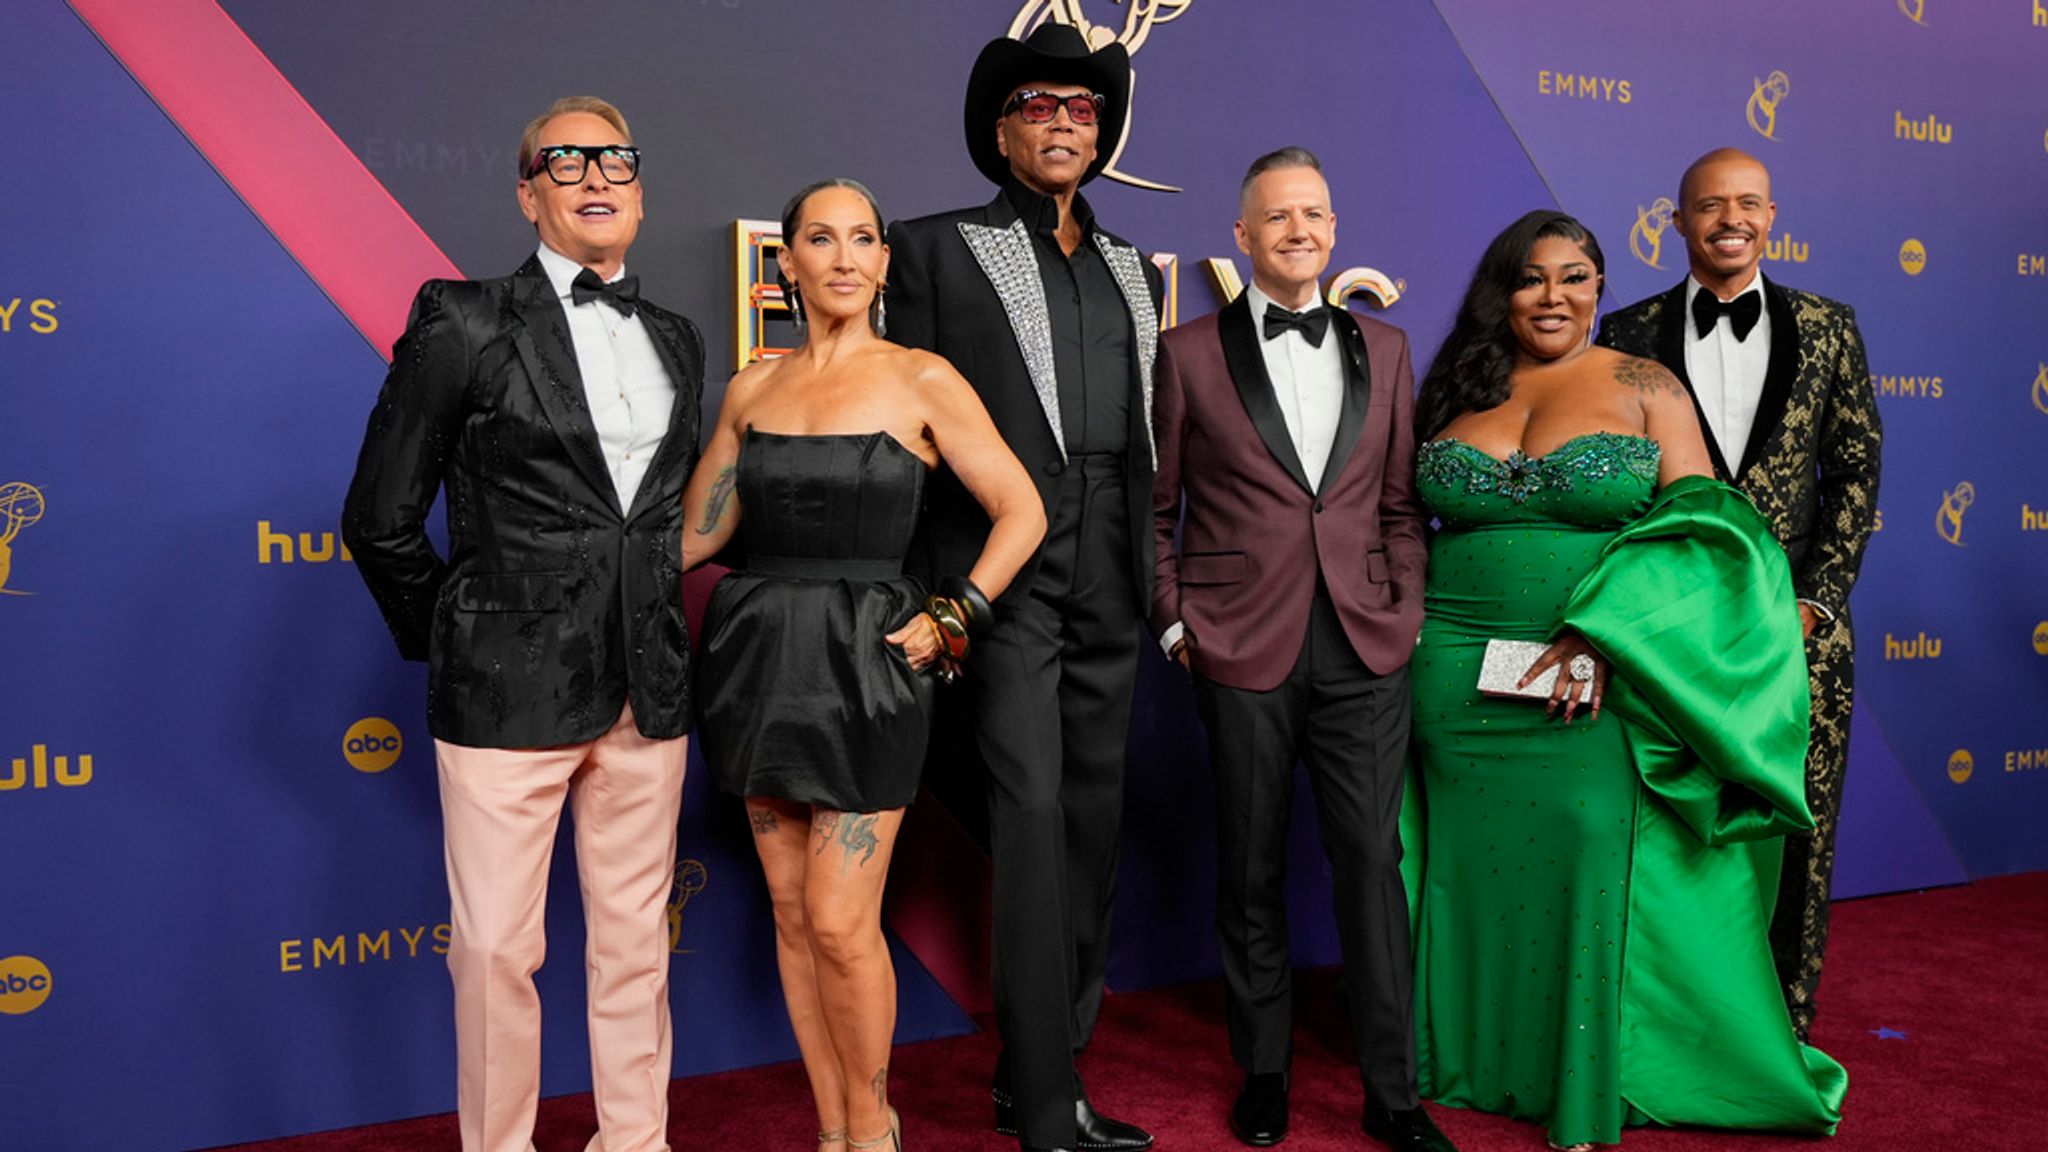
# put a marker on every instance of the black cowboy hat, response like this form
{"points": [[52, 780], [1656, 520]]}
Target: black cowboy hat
{"points": [[1052, 54]]}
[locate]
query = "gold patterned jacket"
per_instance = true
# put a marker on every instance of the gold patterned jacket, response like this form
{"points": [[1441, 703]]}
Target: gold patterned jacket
{"points": [[1811, 463]]}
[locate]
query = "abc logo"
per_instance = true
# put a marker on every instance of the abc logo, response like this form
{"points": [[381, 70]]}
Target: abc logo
{"points": [[372, 744], [24, 985], [1913, 257], [2041, 638], [1960, 765]]}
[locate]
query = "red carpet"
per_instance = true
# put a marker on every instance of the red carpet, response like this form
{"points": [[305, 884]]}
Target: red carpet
{"points": [[1937, 1003]]}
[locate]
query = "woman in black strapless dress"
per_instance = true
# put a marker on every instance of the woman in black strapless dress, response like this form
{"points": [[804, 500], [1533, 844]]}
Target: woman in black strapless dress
{"points": [[814, 685]]}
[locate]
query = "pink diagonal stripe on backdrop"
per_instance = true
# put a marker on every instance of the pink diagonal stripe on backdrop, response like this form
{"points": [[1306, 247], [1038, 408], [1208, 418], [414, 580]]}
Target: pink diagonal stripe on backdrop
{"points": [[335, 218]]}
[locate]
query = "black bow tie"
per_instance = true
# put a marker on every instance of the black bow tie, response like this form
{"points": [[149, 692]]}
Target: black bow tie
{"points": [[1742, 312], [623, 293], [1311, 324]]}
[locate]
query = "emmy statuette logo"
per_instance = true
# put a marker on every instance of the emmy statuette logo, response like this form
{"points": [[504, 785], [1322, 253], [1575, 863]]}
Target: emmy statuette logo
{"points": [[1960, 765], [2041, 391], [1764, 97], [691, 876], [1913, 257], [1948, 519], [1140, 17], [372, 744], [24, 985], [1646, 239], [2041, 638], [1914, 10], [21, 505]]}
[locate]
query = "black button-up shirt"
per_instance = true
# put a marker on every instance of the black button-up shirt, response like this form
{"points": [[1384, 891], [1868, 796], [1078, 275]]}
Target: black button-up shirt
{"points": [[1091, 327]]}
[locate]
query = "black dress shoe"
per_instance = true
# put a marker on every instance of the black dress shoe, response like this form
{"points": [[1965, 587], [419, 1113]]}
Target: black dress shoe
{"points": [[1406, 1129], [1093, 1132], [1260, 1115]]}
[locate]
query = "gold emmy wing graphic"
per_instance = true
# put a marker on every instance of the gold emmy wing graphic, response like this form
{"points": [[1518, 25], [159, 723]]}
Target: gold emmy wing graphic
{"points": [[691, 877], [21, 504], [1960, 765], [2040, 399], [1913, 10], [1646, 239], [1948, 520], [1140, 17], [1763, 103]]}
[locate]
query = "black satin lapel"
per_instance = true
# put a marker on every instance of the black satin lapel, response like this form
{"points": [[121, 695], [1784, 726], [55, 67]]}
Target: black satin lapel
{"points": [[1671, 353], [682, 420], [1357, 395], [550, 358], [1248, 371], [1778, 377]]}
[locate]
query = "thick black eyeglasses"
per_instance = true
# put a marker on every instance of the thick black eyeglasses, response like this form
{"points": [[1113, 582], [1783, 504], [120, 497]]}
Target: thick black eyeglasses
{"points": [[566, 163], [1083, 108]]}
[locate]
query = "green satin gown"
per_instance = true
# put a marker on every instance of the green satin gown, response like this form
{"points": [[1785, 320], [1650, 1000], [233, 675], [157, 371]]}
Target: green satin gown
{"points": [[1592, 899]]}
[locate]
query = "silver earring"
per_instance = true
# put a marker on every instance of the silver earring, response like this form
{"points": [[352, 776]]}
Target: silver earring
{"points": [[881, 311], [796, 307]]}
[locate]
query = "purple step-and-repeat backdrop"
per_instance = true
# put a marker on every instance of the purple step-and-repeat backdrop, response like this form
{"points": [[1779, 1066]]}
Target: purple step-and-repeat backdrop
{"points": [[224, 916]]}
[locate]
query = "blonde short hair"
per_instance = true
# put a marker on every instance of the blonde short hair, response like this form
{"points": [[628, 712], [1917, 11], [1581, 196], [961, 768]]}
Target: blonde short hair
{"points": [[529, 140]]}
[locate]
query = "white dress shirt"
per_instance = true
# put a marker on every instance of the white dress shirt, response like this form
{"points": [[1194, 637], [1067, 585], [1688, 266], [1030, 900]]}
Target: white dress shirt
{"points": [[629, 392], [1308, 386], [1728, 374]]}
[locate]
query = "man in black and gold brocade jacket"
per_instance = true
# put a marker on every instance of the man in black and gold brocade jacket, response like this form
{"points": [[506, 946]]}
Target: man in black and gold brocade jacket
{"points": [[1785, 398]]}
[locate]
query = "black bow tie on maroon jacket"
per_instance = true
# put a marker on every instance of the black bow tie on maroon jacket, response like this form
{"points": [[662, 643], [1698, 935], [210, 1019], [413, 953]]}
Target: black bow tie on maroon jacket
{"points": [[1742, 312], [1311, 324], [623, 293]]}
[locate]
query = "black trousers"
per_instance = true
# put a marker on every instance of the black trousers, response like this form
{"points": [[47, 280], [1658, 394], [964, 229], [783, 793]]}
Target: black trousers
{"points": [[1051, 690], [1351, 728]]}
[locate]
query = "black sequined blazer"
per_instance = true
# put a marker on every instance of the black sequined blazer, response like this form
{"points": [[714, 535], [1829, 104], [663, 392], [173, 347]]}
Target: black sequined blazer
{"points": [[1811, 463], [554, 605]]}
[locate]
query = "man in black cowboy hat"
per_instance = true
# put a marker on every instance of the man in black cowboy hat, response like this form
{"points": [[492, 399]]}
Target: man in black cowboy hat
{"points": [[1055, 322]]}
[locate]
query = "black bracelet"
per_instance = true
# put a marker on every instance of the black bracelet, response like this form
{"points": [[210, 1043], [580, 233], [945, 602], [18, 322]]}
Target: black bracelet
{"points": [[981, 615]]}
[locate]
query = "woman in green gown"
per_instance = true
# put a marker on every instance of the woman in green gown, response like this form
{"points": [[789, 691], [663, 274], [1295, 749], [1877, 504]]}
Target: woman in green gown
{"points": [[1593, 873]]}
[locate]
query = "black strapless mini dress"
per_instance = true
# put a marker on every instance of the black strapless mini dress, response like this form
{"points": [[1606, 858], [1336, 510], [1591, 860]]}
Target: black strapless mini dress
{"points": [[799, 695]]}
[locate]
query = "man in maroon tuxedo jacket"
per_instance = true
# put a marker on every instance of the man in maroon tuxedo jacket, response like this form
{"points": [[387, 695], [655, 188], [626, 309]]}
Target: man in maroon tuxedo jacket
{"points": [[1294, 598]]}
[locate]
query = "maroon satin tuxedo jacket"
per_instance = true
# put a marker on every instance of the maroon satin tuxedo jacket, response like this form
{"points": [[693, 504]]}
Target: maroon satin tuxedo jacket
{"points": [[1257, 528]]}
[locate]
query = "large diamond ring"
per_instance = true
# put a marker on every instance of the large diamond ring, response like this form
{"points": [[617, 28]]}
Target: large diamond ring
{"points": [[1581, 668]]}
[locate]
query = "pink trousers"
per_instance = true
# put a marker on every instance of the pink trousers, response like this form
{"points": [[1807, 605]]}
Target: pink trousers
{"points": [[500, 809]]}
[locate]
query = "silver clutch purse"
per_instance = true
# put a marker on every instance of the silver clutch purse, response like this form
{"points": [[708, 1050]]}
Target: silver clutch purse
{"points": [[1505, 662]]}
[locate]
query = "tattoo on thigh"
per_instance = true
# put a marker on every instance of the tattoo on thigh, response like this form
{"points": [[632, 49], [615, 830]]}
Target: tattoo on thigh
{"points": [[764, 820], [824, 822], [714, 504], [858, 835], [880, 1086]]}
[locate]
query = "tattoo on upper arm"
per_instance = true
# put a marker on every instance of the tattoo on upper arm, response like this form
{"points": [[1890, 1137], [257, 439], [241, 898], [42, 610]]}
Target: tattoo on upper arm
{"points": [[721, 495], [764, 820], [1644, 375]]}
